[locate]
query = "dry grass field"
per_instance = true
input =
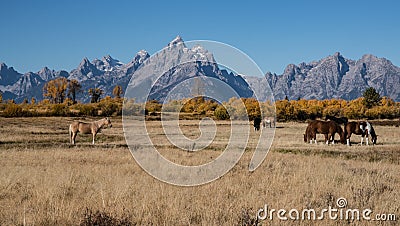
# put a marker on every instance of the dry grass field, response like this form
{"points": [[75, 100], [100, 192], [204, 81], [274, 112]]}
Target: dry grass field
{"points": [[46, 181]]}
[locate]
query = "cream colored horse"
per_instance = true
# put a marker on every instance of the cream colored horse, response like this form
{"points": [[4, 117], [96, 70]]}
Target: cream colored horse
{"points": [[88, 128]]}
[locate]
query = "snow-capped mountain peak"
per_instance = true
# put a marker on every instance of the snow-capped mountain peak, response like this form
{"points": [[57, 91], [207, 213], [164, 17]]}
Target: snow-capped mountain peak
{"points": [[176, 41], [143, 53], [108, 63]]}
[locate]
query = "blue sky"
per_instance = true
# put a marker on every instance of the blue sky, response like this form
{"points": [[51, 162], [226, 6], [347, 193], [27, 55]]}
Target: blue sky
{"points": [[58, 34]]}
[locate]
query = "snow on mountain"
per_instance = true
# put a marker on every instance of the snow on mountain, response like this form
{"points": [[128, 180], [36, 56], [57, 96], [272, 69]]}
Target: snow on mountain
{"points": [[330, 77], [177, 63], [336, 77]]}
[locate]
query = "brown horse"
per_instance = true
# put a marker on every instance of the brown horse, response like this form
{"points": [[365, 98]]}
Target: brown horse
{"points": [[327, 128], [363, 128], [87, 128]]}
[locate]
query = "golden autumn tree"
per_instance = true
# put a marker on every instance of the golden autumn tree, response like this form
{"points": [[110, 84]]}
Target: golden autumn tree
{"points": [[95, 94], [55, 90], [73, 88], [117, 91]]}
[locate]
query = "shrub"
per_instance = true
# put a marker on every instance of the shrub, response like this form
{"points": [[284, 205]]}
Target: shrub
{"points": [[14, 110], [103, 219], [60, 110], [153, 106], [221, 113], [108, 109], [87, 110]]}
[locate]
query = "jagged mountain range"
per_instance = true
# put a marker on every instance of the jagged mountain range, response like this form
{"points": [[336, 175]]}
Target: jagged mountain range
{"points": [[104, 74], [330, 77], [334, 77], [173, 71]]}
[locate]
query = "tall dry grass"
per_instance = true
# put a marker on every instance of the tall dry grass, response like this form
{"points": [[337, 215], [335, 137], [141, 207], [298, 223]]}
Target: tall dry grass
{"points": [[46, 181]]}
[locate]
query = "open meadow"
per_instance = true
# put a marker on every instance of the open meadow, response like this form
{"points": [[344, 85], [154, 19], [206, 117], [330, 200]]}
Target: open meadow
{"points": [[46, 181]]}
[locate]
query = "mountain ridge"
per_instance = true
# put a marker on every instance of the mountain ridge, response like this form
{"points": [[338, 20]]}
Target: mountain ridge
{"points": [[331, 77], [335, 77]]}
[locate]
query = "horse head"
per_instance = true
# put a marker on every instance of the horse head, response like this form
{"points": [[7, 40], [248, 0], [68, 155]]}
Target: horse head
{"points": [[371, 132], [107, 122], [374, 137]]}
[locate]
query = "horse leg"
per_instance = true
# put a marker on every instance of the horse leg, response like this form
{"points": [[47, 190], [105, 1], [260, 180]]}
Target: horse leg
{"points": [[327, 137], [366, 140], [362, 139], [348, 139], [73, 137], [94, 135]]}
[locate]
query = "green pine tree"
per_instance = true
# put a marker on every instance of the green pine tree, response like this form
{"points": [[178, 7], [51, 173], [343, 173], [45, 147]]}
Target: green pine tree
{"points": [[371, 97]]}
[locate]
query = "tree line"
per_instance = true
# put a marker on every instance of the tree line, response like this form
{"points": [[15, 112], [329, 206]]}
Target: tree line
{"points": [[61, 89], [61, 100]]}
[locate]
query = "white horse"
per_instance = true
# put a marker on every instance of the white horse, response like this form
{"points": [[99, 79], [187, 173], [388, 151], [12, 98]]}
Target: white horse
{"points": [[269, 121], [87, 128]]}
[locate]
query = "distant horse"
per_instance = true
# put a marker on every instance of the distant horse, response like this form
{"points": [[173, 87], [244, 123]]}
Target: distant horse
{"points": [[257, 123], [269, 121], [87, 128], [341, 120], [363, 128], [327, 128]]}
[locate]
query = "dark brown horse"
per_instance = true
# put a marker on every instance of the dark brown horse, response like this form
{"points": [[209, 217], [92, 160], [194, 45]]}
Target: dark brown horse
{"points": [[257, 123], [327, 128], [363, 128], [341, 120]]}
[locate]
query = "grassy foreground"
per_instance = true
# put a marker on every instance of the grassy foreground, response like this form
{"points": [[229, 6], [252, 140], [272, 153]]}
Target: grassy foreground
{"points": [[46, 181]]}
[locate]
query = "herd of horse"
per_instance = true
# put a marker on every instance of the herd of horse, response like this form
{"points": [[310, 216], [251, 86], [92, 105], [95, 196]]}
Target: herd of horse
{"points": [[267, 122], [329, 128]]}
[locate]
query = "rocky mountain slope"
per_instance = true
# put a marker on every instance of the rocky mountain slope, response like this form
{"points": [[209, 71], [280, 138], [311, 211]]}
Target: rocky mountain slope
{"points": [[335, 77], [330, 77]]}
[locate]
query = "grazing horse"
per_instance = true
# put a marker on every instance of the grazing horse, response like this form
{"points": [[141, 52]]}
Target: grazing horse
{"points": [[363, 128], [257, 123], [327, 128], [270, 121], [87, 128], [341, 120]]}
